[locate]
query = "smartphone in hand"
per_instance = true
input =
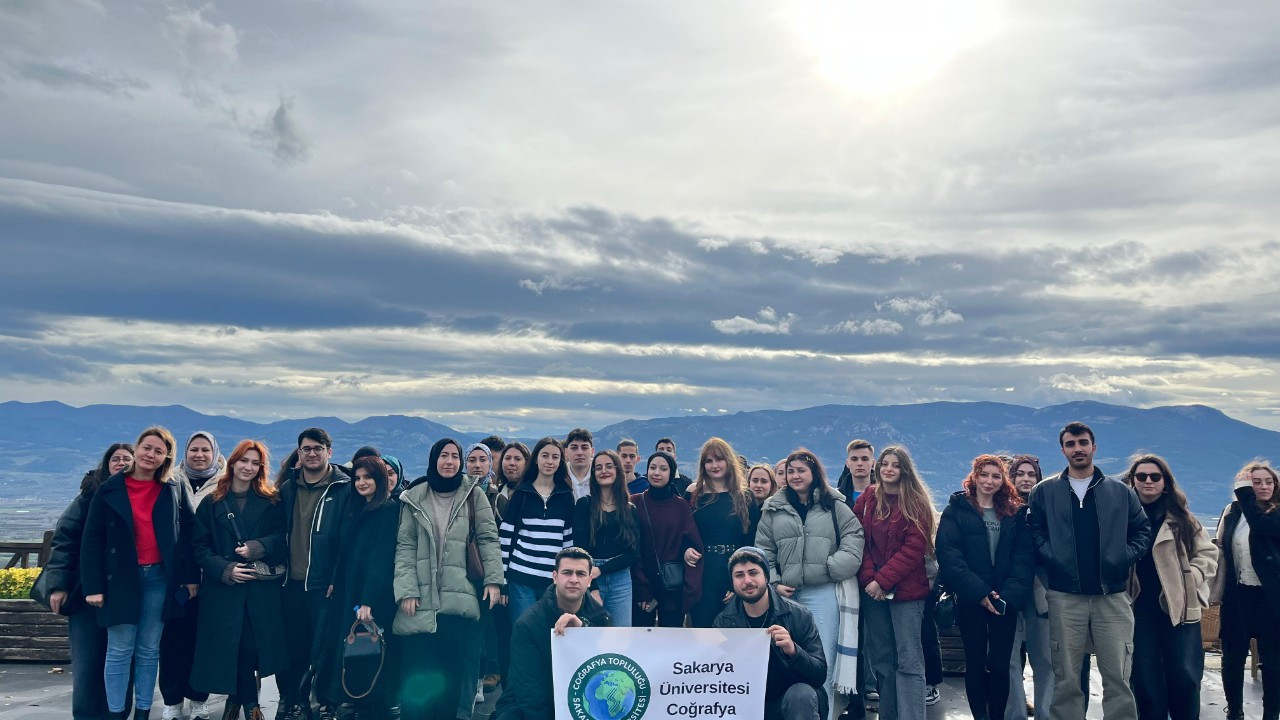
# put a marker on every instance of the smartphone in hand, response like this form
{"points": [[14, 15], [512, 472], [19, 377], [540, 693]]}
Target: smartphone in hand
{"points": [[998, 604]]}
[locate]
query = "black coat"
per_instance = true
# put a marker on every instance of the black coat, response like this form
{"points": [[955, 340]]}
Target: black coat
{"points": [[223, 606], [1264, 552], [367, 564], [964, 555], [808, 665], [530, 692], [326, 525], [62, 571], [109, 559]]}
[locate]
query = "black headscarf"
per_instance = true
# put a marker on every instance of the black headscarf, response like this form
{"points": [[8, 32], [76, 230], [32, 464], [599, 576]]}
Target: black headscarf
{"points": [[438, 482], [667, 490]]}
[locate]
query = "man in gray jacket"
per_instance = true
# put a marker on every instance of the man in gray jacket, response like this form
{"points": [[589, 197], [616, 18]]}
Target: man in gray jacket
{"points": [[1088, 530]]}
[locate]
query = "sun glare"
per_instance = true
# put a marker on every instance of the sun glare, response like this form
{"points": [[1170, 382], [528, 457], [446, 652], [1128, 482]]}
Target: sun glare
{"points": [[877, 47]]}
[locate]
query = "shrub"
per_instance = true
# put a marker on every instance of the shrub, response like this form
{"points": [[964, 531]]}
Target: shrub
{"points": [[15, 583]]}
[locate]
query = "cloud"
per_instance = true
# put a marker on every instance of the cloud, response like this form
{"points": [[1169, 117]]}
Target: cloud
{"points": [[766, 321], [930, 311], [876, 326], [65, 77], [284, 136]]}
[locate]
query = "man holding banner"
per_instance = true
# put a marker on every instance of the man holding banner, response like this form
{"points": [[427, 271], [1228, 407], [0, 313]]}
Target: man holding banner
{"points": [[797, 665]]}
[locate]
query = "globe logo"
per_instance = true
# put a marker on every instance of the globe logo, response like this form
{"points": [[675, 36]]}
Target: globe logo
{"points": [[608, 687]]}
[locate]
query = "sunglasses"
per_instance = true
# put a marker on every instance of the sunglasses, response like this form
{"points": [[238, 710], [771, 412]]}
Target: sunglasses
{"points": [[1154, 477]]}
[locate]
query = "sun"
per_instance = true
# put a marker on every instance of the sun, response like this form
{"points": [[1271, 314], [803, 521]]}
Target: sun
{"points": [[878, 47]]}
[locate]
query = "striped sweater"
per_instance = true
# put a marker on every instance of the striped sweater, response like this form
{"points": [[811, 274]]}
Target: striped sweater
{"points": [[533, 530]]}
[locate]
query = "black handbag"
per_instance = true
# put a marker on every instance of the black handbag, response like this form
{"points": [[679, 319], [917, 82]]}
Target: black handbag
{"points": [[672, 573], [944, 614], [261, 570], [363, 653]]}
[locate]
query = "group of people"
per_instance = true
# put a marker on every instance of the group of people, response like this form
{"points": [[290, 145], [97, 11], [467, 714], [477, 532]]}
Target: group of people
{"points": [[214, 573]]}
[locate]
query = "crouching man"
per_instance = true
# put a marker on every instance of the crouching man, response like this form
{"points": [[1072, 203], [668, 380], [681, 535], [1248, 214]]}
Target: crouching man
{"points": [[797, 666], [529, 694]]}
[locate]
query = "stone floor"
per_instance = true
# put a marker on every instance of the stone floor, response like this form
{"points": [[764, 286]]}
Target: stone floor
{"points": [[30, 691]]}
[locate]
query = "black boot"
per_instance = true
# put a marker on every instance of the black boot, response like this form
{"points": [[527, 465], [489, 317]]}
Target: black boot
{"points": [[142, 714]]}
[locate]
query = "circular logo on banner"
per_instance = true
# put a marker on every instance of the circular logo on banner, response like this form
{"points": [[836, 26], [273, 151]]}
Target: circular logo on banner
{"points": [[608, 687]]}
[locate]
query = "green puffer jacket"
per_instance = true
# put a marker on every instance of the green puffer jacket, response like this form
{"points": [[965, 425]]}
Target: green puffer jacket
{"points": [[445, 588], [809, 554]]}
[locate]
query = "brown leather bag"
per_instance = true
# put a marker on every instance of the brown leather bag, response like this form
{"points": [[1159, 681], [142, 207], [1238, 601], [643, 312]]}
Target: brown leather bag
{"points": [[475, 566]]}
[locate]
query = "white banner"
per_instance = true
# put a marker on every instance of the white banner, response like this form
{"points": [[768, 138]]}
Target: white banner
{"points": [[635, 673]]}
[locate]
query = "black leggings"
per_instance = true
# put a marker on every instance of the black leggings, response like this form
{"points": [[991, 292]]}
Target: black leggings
{"points": [[988, 645], [1247, 615], [247, 666]]}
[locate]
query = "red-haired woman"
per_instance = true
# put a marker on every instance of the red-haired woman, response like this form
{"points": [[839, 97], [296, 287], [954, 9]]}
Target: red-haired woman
{"points": [[241, 617], [985, 557]]}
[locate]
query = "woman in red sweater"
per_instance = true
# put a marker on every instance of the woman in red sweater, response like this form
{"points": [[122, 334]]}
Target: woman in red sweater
{"points": [[136, 566], [897, 518], [666, 531]]}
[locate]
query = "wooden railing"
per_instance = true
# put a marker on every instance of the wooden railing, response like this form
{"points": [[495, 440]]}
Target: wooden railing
{"points": [[22, 552]]}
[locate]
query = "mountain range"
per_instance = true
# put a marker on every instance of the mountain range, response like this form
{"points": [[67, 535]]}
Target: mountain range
{"points": [[45, 447]]}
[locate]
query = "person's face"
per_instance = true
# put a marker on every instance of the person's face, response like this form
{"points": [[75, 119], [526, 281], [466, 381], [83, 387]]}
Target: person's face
{"points": [[988, 480], [1264, 486], [199, 454], [759, 484], [365, 484], [749, 582], [717, 467], [580, 452], [246, 469], [1024, 478], [313, 455], [548, 460], [780, 470], [799, 477], [630, 455], [513, 465], [1146, 483], [478, 463], [1078, 450], [572, 579], [393, 477], [606, 471], [890, 469], [860, 463], [151, 454], [450, 460], [666, 447], [658, 473], [120, 459]]}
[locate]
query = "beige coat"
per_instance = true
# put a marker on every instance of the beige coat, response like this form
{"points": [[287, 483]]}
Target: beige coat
{"points": [[1185, 581]]}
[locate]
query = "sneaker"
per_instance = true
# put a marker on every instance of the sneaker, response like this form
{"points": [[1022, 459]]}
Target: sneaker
{"points": [[200, 710], [293, 712], [479, 691], [171, 712], [931, 695], [327, 713], [873, 696]]}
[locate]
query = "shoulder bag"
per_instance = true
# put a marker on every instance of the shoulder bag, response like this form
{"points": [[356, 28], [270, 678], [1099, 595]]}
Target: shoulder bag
{"points": [[475, 566], [261, 570], [672, 573]]}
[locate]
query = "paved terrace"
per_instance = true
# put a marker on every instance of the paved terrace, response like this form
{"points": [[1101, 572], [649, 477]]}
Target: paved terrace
{"points": [[32, 691]]}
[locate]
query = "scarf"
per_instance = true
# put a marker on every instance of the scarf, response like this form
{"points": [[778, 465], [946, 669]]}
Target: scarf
{"points": [[438, 482], [666, 491], [401, 480], [201, 475], [484, 481], [845, 675]]}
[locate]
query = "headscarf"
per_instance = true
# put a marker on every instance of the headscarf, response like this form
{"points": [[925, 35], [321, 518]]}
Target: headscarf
{"points": [[393, 461], [484, 481], [438, 482], [201, 476], [669, 489]]}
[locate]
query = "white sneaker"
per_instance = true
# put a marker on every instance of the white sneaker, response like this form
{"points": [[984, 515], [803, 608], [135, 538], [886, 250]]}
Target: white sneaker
{"points": [[931, 695], [479, 692], [200, 710], [171, 712]]}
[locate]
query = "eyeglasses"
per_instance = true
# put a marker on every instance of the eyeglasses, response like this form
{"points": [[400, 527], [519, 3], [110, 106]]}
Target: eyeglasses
{"points": [[1154, 477], [312, 449]]}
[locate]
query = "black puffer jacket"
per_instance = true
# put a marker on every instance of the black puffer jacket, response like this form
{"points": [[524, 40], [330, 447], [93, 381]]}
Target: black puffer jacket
{"points": [[529, 694], [1124, 531], [326, 526], [964, 555]]}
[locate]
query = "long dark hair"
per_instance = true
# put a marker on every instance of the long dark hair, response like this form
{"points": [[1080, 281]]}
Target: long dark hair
{"points": [[819, 490], [561, 476], [94, 478], [1175, 505], [372, 464], [621, 502], [500, 475]]}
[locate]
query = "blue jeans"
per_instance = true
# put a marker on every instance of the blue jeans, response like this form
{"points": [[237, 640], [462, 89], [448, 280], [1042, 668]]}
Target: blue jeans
{"points": [[520, 598], [137, 645], [821, 603], [615, 591]]}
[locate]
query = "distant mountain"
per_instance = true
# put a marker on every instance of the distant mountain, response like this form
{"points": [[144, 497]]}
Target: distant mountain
{"points": [[46, 447]]}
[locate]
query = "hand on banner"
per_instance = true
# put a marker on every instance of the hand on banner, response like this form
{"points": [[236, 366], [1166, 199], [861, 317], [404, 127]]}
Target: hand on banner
{"points": [[691, 557], [409, 606], [782, 639], [785, 590], [567, 620]]}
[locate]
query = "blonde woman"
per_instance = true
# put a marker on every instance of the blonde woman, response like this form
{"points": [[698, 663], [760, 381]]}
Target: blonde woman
{"points": [[726, 517]]}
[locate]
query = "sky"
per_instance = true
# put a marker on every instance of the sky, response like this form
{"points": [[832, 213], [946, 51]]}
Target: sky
{"points": [[525, 217]]}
